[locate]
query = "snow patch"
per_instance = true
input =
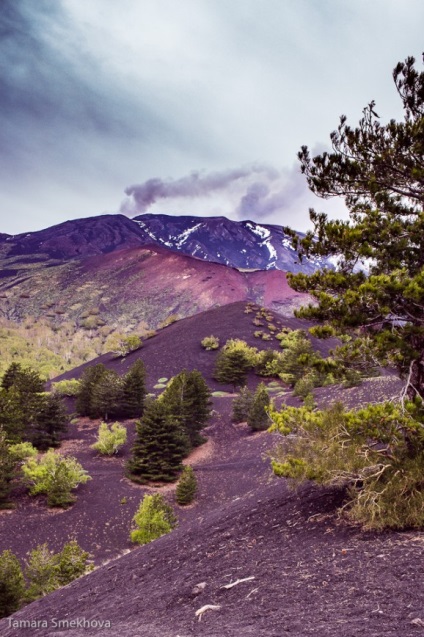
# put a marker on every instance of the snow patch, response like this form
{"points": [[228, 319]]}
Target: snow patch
{"points": [[184, 235]]}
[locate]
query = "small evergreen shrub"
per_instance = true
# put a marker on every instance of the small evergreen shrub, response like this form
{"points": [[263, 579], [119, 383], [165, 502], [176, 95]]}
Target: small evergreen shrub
{"points": [[186, 487], [210, 343], [110, 438], [242, 405], [153, 519], [303, 387], [258, 419]]}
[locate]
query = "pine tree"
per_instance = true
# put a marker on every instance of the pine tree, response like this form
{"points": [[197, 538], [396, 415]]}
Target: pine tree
{"points": [[12, 584], [88, 380], [232, 367], [186, 487], [159, 447], [242, 405], [20, 400], [11, 375], [133, 391], [12, 417], [378, 169], [106, 396], [51, 422], [187, 399], [377, 452], [24, 380], [258, 419]]}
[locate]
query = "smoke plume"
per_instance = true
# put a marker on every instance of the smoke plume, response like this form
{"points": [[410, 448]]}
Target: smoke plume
{"points": [[197, 184]]}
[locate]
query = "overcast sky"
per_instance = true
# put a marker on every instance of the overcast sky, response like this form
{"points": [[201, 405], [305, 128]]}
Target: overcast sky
{"points": [[185, 106]]}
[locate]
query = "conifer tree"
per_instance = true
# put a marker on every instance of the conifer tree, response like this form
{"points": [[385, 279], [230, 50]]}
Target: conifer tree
{"points": [[106, 396], [257, 418], [232, 367], [12, 416], [159, 447], [377, 452], [242, 405], [186, 487], [7, 466], [88, 380], [11, 375], [133, 391], [187, 399], [21, 400], [12, 584], [378, 169], [50, 423]]}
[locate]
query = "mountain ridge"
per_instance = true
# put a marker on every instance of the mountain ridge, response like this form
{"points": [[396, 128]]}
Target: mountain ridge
{"points": [[241, 244]]}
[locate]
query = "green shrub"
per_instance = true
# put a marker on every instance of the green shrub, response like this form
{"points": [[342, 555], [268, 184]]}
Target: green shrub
{"points": [[210, 343], [23, 450], [172, 318], [123, 344], [153, 519], [304, 386], [47, 571], [376, 454], [56, 476], [110, 438], [8, 463], [186, 487], [12, 584], [67, 387]]}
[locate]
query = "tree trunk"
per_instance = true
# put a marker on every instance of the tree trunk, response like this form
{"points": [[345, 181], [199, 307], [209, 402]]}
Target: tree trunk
{"points": [[416, 378]]}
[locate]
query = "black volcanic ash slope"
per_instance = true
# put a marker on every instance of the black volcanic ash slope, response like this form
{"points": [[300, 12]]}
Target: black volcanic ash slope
{"points": [[307, 576]]}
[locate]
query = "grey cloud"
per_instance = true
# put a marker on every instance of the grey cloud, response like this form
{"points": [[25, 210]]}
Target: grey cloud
{"points": [[56, 98]]}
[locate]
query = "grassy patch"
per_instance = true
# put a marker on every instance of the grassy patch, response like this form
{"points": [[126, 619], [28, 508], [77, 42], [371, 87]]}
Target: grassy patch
{"points": [[221, 394]]}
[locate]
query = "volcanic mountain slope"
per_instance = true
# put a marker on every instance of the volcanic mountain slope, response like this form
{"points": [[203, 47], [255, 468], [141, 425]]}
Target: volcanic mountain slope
{"points": [[123, 288], [305, 571], [241, 244]]}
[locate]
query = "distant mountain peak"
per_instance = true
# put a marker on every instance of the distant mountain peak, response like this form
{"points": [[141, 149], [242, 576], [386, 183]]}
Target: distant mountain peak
{"points": [[242, 244], [246, 244]]}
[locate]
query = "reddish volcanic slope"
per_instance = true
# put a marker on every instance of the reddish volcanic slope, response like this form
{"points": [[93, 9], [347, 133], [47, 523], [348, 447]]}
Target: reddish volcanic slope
{"points": [[142, 284]]}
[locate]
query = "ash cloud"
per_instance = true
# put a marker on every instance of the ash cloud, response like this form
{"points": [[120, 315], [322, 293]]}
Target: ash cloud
{"points": [[194, 185], [257, 192], [263, 200]]}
